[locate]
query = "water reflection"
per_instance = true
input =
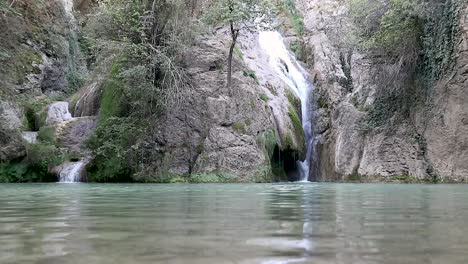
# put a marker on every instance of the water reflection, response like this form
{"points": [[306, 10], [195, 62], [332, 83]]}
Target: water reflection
{"points": [[280, 223]]}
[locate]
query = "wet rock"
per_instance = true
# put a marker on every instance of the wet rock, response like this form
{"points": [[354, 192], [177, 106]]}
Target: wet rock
{"points": [[57, 113]]}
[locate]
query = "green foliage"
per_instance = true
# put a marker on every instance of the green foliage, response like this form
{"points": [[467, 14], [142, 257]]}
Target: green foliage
{"points": [[391, 28], [264, 97], [299, 50], [440, 40], [46, 135], [288, 141], [114, 145], [238, 53], [268, 141], [406, 179], [36, 112], [293, 100], [45, 154], [354, 178], [323, 102], [112, 101], [35, 167], [251, 74], [23, 173], [26, 63], [239, 128], [242, 14], [296, 19]]}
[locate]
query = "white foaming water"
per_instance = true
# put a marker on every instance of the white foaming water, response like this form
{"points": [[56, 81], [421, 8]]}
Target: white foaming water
{"points": [[68, 6], [292, 73], [70, 172]]}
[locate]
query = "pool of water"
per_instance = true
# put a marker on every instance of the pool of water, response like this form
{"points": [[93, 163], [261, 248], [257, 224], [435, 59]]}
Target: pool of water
{"points": [[264, 223]]}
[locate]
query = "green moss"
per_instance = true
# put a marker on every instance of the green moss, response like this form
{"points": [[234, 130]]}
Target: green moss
{"points": [[238, 53], [293, 100], [264, 97], [239, 128], [211, 178], [299, 50], [251, 74], [297, 124], [25, 63], [112, 101], [288, 141], [406, 179], [354, 178], [323, 103], [36, 113]]}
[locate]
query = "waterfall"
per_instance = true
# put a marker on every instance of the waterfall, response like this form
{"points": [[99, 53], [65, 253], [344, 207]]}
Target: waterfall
{"points": [[71, 172], [68, 7], [294, 75]]}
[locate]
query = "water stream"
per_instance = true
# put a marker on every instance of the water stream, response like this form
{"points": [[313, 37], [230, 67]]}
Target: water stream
{"points": [[294, 75]]}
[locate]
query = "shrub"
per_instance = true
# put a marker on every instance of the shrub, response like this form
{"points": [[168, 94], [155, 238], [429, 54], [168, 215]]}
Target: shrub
{"points": [[296, 19], [35, 167], [46, 135], [114, 146], [251, 74]]}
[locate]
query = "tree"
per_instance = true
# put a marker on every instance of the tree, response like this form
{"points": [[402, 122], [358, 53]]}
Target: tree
{"points": [[238, 15]]}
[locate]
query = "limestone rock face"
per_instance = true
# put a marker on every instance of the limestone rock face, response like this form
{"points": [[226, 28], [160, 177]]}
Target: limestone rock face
{"points": [[73, 133], [446, 128], [11, 115], [429, 142], [11, 144], [217, 129]]}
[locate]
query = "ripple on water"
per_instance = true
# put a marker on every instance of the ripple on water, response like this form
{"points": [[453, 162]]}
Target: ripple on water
{"points": [[270, 223]]}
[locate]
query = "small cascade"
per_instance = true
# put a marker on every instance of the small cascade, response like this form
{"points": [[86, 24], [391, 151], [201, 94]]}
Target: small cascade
{"points": [[71, 172], [294, 75], [68, 6], [58, 115]]}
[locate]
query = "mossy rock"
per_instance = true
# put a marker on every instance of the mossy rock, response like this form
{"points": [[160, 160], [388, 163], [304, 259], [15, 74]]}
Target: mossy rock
{"points": [[212, 178]]}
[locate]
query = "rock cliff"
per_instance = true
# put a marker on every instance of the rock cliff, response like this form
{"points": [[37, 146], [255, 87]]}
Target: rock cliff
{"points": [[427, 142]]}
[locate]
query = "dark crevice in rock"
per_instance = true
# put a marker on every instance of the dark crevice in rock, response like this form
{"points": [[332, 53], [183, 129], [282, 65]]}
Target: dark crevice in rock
{"points": [[345, 60], [284, 164]]}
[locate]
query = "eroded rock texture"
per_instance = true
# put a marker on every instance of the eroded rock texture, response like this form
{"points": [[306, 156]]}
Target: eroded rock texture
{"points": [[426, 142]]}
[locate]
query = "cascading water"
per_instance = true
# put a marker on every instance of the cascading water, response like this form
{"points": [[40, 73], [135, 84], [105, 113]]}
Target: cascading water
{"points": [[71, 172], [292, 73]]}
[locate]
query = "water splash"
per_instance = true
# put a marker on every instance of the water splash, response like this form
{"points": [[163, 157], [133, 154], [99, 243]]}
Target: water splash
{"points": [[71, 172], [294, 75]]}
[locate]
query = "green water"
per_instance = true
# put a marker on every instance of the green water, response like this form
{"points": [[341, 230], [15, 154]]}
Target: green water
{"points": [[283, 223]]}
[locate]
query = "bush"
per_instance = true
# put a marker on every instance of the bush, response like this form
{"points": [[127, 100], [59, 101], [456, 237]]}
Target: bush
{"points": [[35, 167], [393, 28], [296, 19], [114, 146], [46, 135]]}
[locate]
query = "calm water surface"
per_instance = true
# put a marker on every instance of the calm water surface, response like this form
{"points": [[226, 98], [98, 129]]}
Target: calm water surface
{"points": [[212, 224]]}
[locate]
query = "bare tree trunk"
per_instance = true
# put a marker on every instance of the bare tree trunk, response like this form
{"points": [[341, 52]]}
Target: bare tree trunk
{"points": [[234, 35]]}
